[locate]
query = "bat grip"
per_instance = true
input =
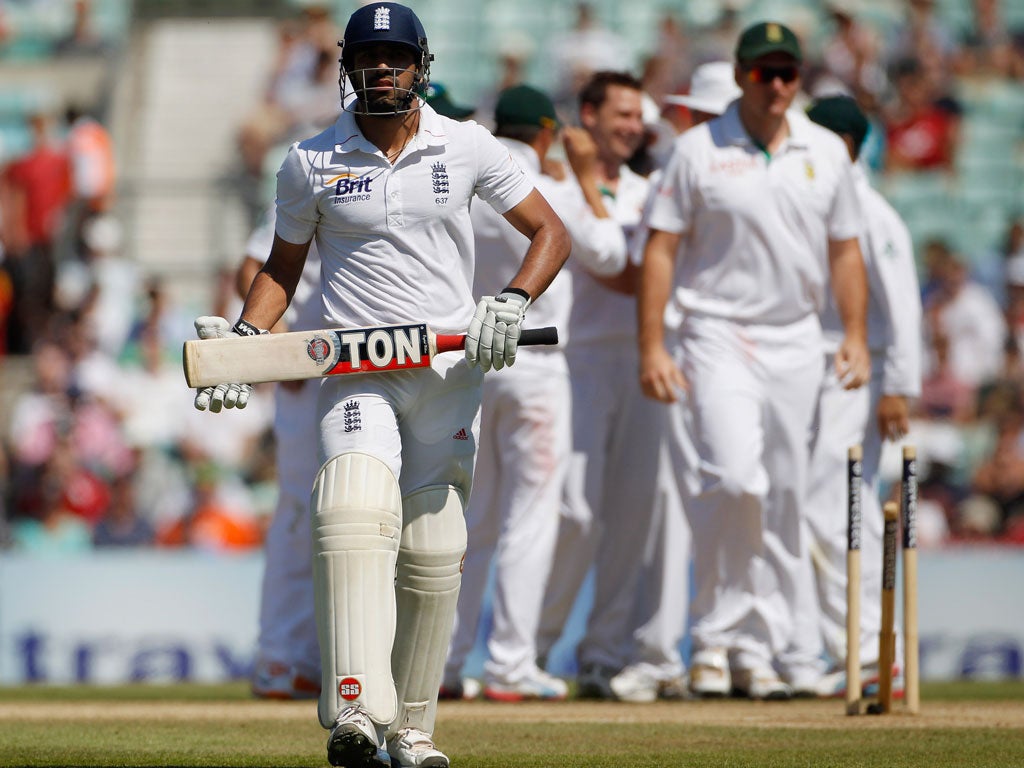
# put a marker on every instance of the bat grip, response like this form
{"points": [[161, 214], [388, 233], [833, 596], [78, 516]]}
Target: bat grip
{"points": [[450, 342]]}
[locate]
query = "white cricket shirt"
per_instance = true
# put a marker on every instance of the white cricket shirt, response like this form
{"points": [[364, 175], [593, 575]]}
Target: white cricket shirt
{"points": [[599, 244], [756, 229], [500, 249], [894, 297], [600, 314], [395, 242]]}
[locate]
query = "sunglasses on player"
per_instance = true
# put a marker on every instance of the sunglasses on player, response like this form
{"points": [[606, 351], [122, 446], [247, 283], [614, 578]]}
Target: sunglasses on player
{"points": [[763, 73]]}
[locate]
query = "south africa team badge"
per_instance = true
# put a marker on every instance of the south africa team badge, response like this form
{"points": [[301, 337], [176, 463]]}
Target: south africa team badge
{"points": [[318, 349]]}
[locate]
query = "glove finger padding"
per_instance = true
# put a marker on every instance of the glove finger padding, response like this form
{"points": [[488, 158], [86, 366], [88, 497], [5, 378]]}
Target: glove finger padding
{"points": [[212, 327], [487, 343], [203, 399], [498, 359], [473, 334], [512, 333], [493, 336]]}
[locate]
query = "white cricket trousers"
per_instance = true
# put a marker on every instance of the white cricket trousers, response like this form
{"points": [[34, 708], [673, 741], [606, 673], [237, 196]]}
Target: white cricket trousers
{"points": [[846, 418], [512, 516], [609, 503], [752, 394]]}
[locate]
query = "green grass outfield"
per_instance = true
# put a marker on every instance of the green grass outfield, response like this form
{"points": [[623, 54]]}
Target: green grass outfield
{"points": [[961, 725]]}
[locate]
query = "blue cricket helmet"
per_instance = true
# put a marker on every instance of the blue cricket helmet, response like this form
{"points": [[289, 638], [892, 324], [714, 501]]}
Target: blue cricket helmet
{"points": [[385, 23]]}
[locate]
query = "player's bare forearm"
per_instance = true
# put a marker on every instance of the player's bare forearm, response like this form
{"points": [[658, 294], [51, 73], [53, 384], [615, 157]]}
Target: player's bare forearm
{"points": [[244, 276], [273, 286], [660, 379], [850, 287], [549, 244], [654, 287], [893, 417]]}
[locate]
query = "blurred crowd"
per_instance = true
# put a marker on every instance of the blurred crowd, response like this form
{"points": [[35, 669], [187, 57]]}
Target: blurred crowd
{"points": [[102, 446]]}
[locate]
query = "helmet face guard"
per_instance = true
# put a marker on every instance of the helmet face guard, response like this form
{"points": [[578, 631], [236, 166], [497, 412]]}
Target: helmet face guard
{"points": [[387, 23]]}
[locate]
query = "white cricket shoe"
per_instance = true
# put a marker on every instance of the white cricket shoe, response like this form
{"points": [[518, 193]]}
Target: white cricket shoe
{"points": [[536, 685], [354, 743], [760, 684], [412, 747], [643, 683], [635, 684], [709, 673]]}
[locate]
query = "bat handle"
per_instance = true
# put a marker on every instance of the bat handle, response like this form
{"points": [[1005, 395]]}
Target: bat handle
{"points": [[529, 337]]}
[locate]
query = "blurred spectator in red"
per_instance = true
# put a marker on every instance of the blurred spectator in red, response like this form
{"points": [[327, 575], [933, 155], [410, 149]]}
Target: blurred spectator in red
{"points": [[34, 192], [922, 127], [55, 530], [6, 300]]}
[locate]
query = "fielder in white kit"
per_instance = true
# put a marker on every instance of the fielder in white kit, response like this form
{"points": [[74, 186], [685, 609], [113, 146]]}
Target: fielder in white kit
{"points": [[864, 416], [525, 423], [656, 670], [386, 192], [287, 651], [611, 492], [760, 206]]}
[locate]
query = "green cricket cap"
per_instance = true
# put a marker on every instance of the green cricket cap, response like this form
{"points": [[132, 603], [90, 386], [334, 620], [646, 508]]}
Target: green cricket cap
{"points": [[767, 37], [525, 105], [840, 114], [437, 96]]}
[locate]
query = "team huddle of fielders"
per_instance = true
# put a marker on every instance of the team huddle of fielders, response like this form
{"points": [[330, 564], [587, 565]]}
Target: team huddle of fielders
{"points": [[727, 328]]}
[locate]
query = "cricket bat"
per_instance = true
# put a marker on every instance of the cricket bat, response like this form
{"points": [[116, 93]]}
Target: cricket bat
{"points": [[329, 352]]}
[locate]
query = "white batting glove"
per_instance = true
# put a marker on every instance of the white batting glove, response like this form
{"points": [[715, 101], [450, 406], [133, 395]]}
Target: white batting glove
{"points": [[223, 395], [493, 335]]}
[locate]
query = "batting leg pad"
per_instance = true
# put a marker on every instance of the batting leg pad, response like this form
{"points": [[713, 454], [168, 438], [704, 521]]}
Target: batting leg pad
{"points": [[427, 589], [357, 523]]}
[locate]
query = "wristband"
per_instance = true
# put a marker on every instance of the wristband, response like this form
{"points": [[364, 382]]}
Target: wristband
{"points": [[518, 292], [245, 328]]}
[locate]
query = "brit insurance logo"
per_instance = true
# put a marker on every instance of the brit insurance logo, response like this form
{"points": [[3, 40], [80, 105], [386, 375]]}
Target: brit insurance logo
{"points": [[349, 188]]}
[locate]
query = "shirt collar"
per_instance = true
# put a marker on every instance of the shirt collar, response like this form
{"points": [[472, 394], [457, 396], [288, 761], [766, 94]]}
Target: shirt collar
{"points": [[734, 132], [348, 138]]}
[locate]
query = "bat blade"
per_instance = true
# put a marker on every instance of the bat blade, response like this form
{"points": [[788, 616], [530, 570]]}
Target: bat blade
{"points": [[328, 352], [305, 354]]}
